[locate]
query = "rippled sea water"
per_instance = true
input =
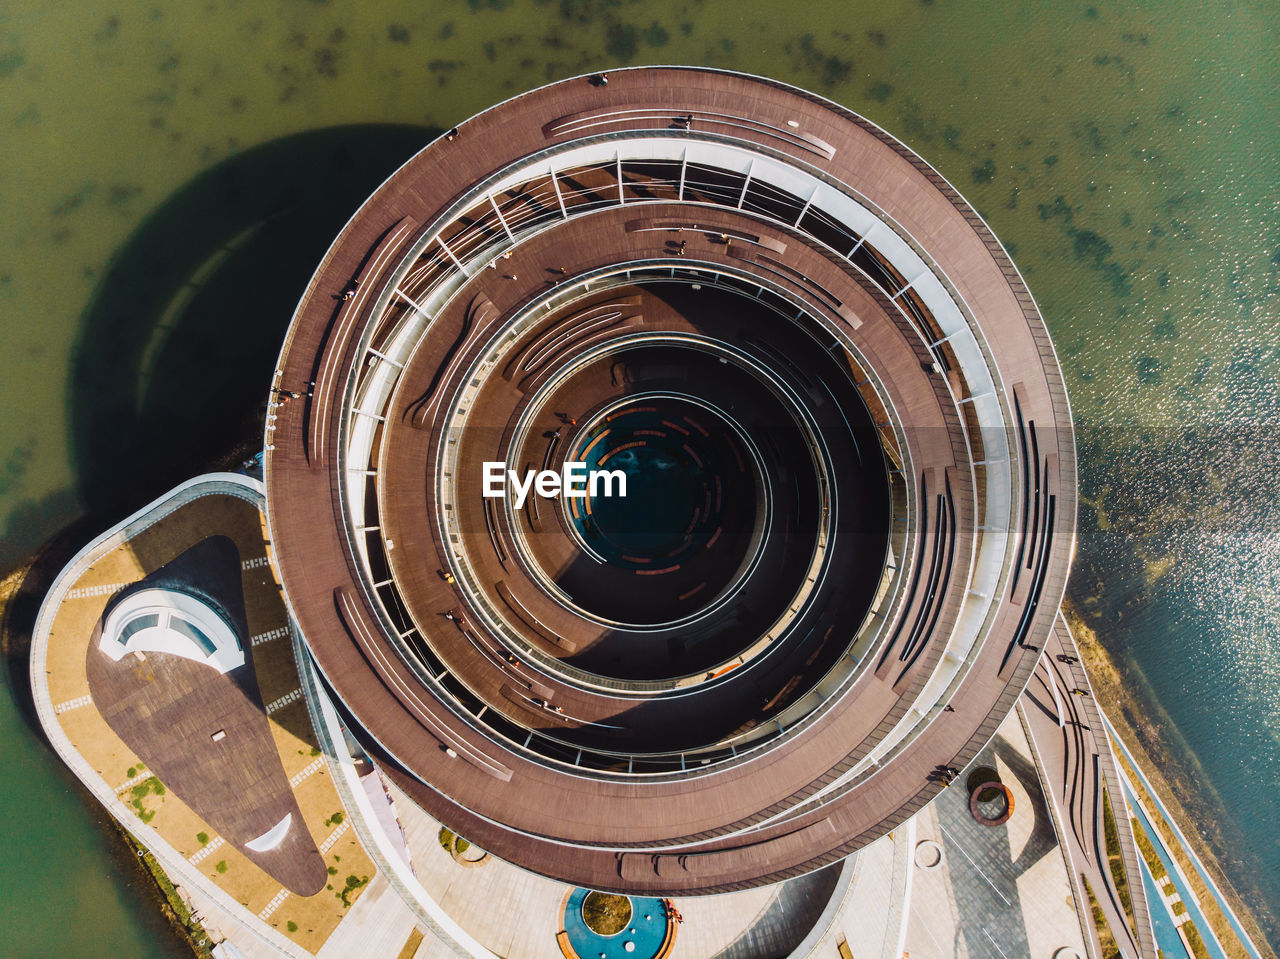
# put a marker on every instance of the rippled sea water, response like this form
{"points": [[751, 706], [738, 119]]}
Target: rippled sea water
{"points": [[169, 175]]}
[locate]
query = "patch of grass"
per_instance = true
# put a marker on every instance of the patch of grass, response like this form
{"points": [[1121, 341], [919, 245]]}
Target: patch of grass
{"points": [[453, 843], [140, 792], [1198, 947], [1109, 948], [1114, 860], [1148, 851]]}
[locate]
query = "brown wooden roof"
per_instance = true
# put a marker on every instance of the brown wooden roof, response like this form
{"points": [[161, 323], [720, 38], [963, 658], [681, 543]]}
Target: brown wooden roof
{"points": [[535, 814]]}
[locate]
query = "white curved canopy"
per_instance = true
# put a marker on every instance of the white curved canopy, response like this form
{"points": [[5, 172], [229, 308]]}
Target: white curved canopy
{"points": [[169, 621], [272, 837]]}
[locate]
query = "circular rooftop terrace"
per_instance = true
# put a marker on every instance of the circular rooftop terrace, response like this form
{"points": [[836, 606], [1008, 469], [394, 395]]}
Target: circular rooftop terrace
{"points": [[848, 455]]}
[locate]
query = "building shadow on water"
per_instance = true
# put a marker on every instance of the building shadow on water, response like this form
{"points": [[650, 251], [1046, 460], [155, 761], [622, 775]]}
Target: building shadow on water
{"points": [[171, 370], [172, 365]]}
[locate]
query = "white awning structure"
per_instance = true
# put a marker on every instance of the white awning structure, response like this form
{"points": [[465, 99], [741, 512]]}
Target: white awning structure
{"points": [[272, 837], [169, 621]]}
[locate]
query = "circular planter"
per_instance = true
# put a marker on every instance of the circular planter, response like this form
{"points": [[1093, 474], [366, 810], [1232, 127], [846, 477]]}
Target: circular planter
{"points": [[981, 800], [928, 854], [594, 908]]}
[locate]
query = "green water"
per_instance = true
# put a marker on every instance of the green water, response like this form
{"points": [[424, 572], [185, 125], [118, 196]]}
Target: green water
{"points": [[169, 174]]}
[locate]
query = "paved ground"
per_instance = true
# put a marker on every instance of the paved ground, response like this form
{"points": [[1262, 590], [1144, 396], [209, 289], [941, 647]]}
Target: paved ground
{"points": [[516, 914], [1000, 892]]}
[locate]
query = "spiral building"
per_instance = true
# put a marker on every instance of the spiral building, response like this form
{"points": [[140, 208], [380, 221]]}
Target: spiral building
{"points": [[847, 455]]}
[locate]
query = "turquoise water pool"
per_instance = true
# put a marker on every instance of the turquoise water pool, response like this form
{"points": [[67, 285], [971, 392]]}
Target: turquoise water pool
{"points": [[644, 935]]}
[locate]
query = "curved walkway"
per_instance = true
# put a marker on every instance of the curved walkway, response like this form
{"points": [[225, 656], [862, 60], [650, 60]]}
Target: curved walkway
{"points": [[1068, 735]]}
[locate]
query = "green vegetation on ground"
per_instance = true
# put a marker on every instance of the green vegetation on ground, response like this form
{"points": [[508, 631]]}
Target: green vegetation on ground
{"points": [[606, 914], [150, 785], [175, 908], [453, 844], [1158, 872], [352, 884], [1109, 948], [1195, 940], [1116, 862]]}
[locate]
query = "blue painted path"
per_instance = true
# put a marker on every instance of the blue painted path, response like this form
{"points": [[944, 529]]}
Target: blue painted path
{"points": [[1191, 854], [1167, 938], [1197, 916]]}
